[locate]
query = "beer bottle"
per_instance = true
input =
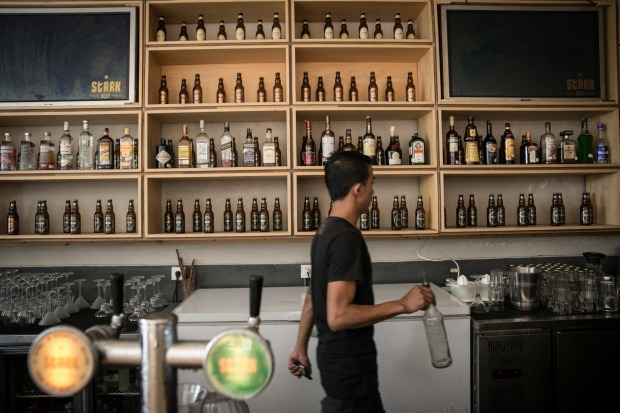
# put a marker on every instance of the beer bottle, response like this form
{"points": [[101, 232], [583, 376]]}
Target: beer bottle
{"points": [[261, 93], [197, 217], [306, 216], [420, 216], [240, 216], [472, 212], [45, 219], [264, 216], [344, 32], [38, 218], [521, 212], [183, 93], [395, 214], [276, 28], [278, 90], [338, 89], [254, 216], [277, 216], [240, 29], [491, 212], [404, 213], [160, 35], [320, 90], [461, 213], [76, 218], [179, 218], [201, 30], [309, 156], [212, 154], [389, 90], [208, 223], [220, 95], [562, 209], [221, 34], [278, 152], [375, 216], [239, 90], [66, 218], [378, 31], [257, 153], [501, 211], [348, 145], [328, 27], [109, 219], [183, 35], [168, 218], [316, 214], [97, 218], [353, 93], [398, 28], [306, 91], [12, 219], [380, 155], [490, 146], [531, 210], [130, 218], [410, 93], [197, 90], [555, 212], [260, 32], [363, 27], [163, 91], [305, 32], [373, 89]]}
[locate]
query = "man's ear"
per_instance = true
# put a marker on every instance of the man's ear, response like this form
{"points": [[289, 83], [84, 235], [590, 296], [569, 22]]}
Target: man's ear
{"points": [[356, 189]]}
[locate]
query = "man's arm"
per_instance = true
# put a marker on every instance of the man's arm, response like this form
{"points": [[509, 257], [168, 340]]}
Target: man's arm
{"points": [[342, 314], [300, 352]]}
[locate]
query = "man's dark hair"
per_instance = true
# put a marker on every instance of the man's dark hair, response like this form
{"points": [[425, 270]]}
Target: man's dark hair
{"points": [[343, 170]]}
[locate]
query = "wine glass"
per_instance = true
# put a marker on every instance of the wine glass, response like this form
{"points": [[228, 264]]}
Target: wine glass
{"points": [[49, 318], [478, 305], [69, 306], [80, 302], [104, 310], [59, 301], [96, 305]]}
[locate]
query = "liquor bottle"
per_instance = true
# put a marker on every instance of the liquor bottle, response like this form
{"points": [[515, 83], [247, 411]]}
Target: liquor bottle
{"points": [[168, 218], [420, 215], [348, 142], [584, 143], [436, 337], [183, 93], [452, 145], [393, 153], [183, 35], [568, 147], [109, 219], [228, 217], [521, 211], [531, 210], [278, 152], [363, 28], [555, 211], [163, 91], [360, 144], [8, 154], [417, 150], [410, 93], [248, 149], [130, 218], [472, 143], [378, 34], [220, 95], [353, 93], [12, 219], [226, 146], [410, 31], [501, 211], [320, 90], [309, 149], [86, 149], [328, 27], [117, 154], [373, 89], [264, 216], [306, 91], [208, 222], [202, 145], [375, 215], [305, 32], [472, 212], [162, 155], [184, 150], [379, 154], [197, 217], [260, 32], [269, 149], [532, 150], [47, 153], [126, 149], [27, 159], [201, 31], [548, 146], [404, 212], [461, 213], [602, 146], [338, 89], [98, 220], [161, 33], [179, 218], [344, 31], [197, 90], [328, 142], [491, 213], [105, 151], [278, 90], [257, 153], [75, 219], [562, 209], [221, 34], [240, 28], [490, 146], [316, 214], [523, 152], [507, 147], [395, 215], [277, 216], [389, 90], [365, 220], [276, 28], [66, 218], [240, 216], [370, 142], [239, 90], [306, 216], [212, 154], [65, 155], [398, 32], [261, 93]]}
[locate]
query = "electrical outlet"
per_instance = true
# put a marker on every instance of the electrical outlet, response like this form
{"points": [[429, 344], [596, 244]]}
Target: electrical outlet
{"points": [[306, 270], [173, 270]]}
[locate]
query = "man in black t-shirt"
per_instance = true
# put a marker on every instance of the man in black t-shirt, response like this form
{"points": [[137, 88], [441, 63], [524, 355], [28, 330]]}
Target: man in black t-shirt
{"points": [[341, 300]]}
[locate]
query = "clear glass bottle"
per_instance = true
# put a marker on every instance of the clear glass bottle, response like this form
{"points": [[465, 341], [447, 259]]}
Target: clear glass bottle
{"points": [[269, 149], [202, 145], [86, 149], [436, 336], [548, 146], [65, 158], [27, 159], [8, 154], [47, 153], [602, 146]]}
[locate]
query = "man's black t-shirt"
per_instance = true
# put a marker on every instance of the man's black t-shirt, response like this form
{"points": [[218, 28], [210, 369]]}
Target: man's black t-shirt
{"points": [[347, 359]]}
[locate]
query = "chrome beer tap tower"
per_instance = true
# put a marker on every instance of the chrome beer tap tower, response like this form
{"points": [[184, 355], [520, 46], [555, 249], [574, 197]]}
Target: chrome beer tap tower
{"points": [[237, 363]]}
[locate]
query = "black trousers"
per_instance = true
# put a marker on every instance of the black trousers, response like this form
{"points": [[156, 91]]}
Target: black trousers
{"points": [[366, 404]]}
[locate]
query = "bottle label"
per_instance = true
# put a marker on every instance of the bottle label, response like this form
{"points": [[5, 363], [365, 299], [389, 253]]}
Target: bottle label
{"points": [[379, 36], [7, 159], [168, 224], [417, 153], [394, 158], [276, 33], [390, 96], [184, 156], [97, 225], [492, 218], [329, 33], [410, 94], [570, 152], [130, 224], [522, 217], [179, 223], [602, 153], [238, 95], [277, 222], [338, 94], [510, 149], [163, 157], [550, 150], [197, 96], [277, 95], [126, 152], [65, 148], [183, 98], [260, 36], [471, 153], [220, 97], [208, 223], [532, 154], [328, 146], [309, 158], [108, 224], [307, 222], [240, 34], [419, 220], [221, 37], [372, 94], [197, 223], [491, 154], [396, 222], [248, 154], [404, 218], [161, 36], [501, 217], [305, 36], [398, 33], [364, 33], [473, 218], [264, 222], [320, 96], [306, 94], [201, 35], [106, 156], [531, 216], [75, 224], [375, 219], [269, 154], [364, 223], [453, 144], [202, 153], [461, 218], [344, 36], [370, 147], [11, 224]]}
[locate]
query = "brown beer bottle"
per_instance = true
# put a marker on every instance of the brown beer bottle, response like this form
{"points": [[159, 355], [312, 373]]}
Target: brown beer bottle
{"points": [[130, 218], [461, 213], [197, 217], [277, 216], [168, 218], [264, 216], [12, 219], [209, 222], [97, 218], [109, 219], [240, 216], [306, 216], [179, 218], [420, 215]]}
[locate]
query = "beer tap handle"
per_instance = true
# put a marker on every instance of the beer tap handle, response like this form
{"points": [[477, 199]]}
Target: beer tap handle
{"points": [[117, 281], [256, 291]]}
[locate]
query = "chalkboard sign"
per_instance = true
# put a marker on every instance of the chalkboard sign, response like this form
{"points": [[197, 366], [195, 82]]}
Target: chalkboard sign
{"points": [[67, 56], [522, 52]]}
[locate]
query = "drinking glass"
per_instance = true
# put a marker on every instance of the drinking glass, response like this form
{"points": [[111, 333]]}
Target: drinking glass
{"points": [[96, 305], [496, 290], [478, 305], [80, 302], [69, 306], [59, 303], [49, 318]]}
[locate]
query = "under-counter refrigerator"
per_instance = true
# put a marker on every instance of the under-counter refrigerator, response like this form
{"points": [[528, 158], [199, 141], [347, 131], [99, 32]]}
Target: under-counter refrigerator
{"points": [[408, 382]]}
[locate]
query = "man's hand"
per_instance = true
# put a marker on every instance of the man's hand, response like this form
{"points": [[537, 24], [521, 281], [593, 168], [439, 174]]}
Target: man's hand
{"points": [[418, 298], [299, 365]]}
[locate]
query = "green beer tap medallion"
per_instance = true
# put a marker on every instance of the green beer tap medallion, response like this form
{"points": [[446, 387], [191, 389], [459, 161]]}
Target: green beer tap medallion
{"points": [[238, 364]]}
